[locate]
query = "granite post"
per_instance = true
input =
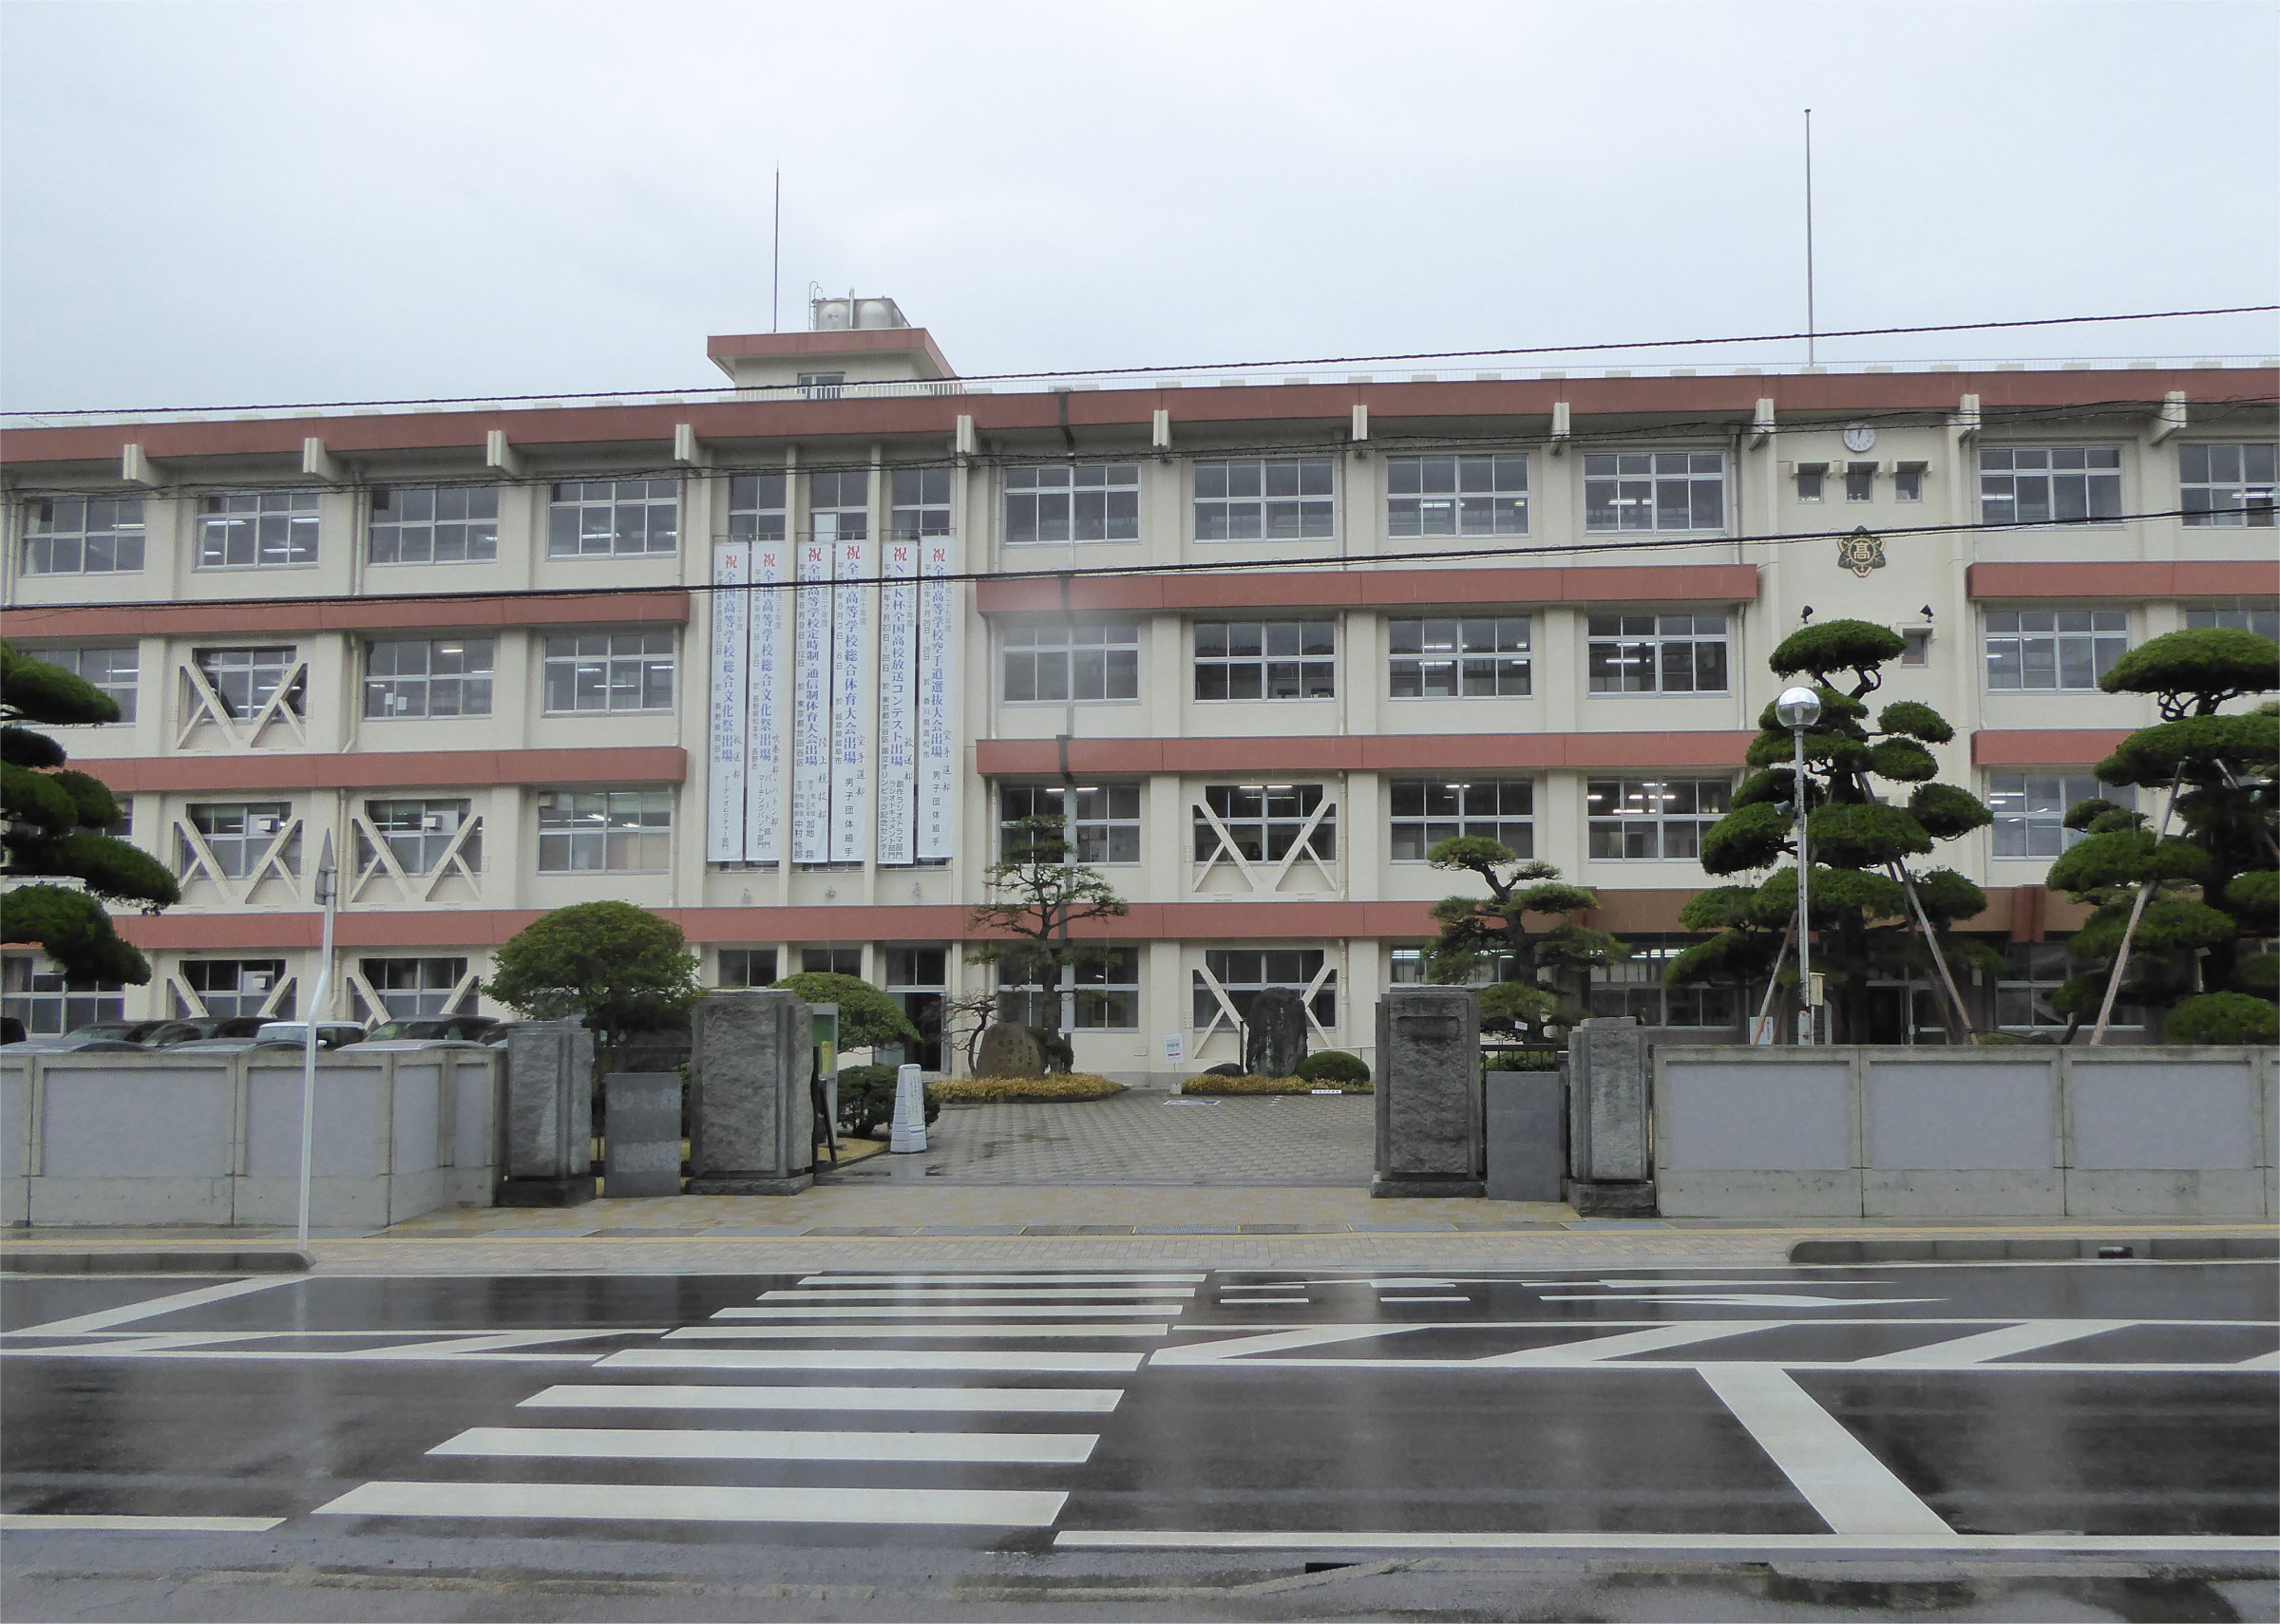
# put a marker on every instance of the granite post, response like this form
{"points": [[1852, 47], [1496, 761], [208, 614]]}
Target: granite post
{"points": [[754, 1121], [1610, 1163], [1274, 1042], [1429, 1099], [641, 1133], [549, 1159]]}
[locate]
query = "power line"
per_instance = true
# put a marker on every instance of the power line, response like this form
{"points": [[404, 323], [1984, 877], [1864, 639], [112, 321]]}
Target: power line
{"points": [[1142, 371]]}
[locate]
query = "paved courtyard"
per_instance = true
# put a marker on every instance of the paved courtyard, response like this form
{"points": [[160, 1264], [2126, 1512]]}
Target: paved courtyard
{"points": [[1146, 1137]]}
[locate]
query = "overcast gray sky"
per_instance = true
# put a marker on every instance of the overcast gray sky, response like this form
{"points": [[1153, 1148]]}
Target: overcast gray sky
{"points": [[206, 203]]}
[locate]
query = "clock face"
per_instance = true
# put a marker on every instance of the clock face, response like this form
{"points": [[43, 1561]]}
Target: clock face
{"points": [[1859, 437]]}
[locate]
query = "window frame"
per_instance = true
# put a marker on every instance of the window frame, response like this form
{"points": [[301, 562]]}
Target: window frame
{"points": [[2245, 514], [1462, 660], [1606, 471], [124, 688], [2101, 478], [1662, 822], [1629, 986], [1504, 506], [220, 666], [429, 986], [639, 821], [119, 534], [2060, 638], [236, 850], [915, 510], [1312, 669], [1093, 822], [850, 521], [472, 680], [216, 531], [1116, 519], [36, 992], [1661, 638], [1110, 635], [1445, 809], [1321, 1007], [477, 531], [570, 503], [403, 825], [1309, 515], [2039, 822], [632, 681], [1103, 997], [1275, 814], [2241, 616], [243, 1002]]}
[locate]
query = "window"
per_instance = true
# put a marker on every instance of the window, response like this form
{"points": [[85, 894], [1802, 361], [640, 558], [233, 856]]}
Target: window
{"points": [[113, 671], [1102, 823], [747, 967], [917, 980], [50, 1004], [1648, 820], [1410, 967], [2227, 485], [1103, 997], [83, 535], [2031, 976], [1916, 645], [756, 507], [1655, 490], [831, 961], [839, 506], [1811, 477], [1264, 822], [1263, 499], [1427, 811], [1657, 653], [419, 833], [247, 679], [228, 987], [1265, 659], [434, 524], [1860, 481], [1907, 482], [604, 518], [596, 671], [823, 386], [2054, 649], [1472, 657], [444, 676], [2264, 621], [1082, 502], [2030, 808], [921, 503], [2021, 484], [1634, 987], [410, 988], [257, 530], [1081, 659], [619, 831], [238, 833], [1242, 973], [1456, 496]]}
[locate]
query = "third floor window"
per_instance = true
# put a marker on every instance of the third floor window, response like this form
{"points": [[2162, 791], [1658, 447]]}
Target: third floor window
{"points": [[1655, 490], [419, 834], [83, 535], [921, 503], [756, 507], [1656, 653], [247, 679], [2262, 619], [1651, 820], [1078, 501], [1265, 659], [1425, 812], [2227, 485], [428, 677], [603, 519], [434, 524], [609, 671], [1467, 657], [2054, 649], [2030, 809], [1080, 660], [839, 504], [115, 670], [1263, 499], [1456, 496], [2024, 484], [1101, 822], [257, 530]]}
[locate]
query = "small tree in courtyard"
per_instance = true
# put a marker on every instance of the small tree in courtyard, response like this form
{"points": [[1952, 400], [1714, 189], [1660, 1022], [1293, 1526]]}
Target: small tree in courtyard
{"points": [[53, 823], [1037, 902], [2189, 904], [1867, 926], [1541, 975], [621, 968], [868, 1017]]}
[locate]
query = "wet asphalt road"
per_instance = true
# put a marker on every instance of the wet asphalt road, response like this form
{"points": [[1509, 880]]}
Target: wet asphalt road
{"points": [[1133, 1422]]}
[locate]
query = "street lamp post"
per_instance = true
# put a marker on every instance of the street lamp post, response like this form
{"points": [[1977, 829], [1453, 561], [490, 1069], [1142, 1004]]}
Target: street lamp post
{"points": [[1797, 710], [327, 895]]}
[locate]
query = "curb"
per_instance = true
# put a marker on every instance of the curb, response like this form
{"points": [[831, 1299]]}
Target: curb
{"points": [[2037, 1249], [251, 1260]]}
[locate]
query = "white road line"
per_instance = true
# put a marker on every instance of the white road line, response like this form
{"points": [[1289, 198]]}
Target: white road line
{"points": [[968, 1294], [1592, 1350], [964, 1311], [103, 1320], [1853, 1491], [1384, 1298], [870, 1359], [913, 1329], [1958, 1351], [1703, 1285], [1731, 1299], [1234, 1348], [1331, 1540], [1038, 1277], [1253, 1302], [1036, 1401], [673, 1503], [2261, 1362], [666, 1444], [32, 1523], [305, 1355]]}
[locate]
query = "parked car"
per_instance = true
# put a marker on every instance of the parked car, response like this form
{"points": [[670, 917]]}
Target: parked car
{"points": [[121, 1031], [404, 1045], [474, 1027], [70, 1045], [216, 1046], [294, 1034], [172, 1033]]}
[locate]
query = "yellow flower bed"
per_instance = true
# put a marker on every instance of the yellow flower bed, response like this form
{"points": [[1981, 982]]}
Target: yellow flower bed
{"points": [[1253, 1084], [1012, 1090]]}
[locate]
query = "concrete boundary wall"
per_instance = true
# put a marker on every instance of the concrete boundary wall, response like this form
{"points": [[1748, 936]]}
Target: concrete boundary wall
{"points": [[1858, 1131], [215, 1137]]}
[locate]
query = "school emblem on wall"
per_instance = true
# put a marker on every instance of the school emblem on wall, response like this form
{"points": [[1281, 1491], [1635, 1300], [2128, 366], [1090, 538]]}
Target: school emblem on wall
{"points": [[1860, 551]]}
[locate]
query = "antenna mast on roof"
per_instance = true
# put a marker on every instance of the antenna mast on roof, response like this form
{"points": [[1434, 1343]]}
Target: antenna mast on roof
{"points": [[775, 273], [1809, 324]]}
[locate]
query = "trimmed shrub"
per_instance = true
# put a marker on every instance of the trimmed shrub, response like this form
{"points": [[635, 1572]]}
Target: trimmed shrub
{"points": [[1213, 1082], [2224, 1018], [866, 1098], [1015, 1091], [1334, 1066]]}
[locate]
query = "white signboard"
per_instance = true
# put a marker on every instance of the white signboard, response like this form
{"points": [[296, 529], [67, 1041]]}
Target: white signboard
{"points": [[1175, 1049], [938, 699], [898, 702], [854, 659], [727, 721], [811, 706], [765, 613]]}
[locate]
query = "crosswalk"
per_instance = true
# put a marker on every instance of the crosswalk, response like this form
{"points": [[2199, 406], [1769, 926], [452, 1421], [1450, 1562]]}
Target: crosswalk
{"points": [[954, 1401]]}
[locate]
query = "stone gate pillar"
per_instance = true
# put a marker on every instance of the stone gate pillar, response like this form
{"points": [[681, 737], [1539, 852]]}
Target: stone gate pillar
{"points": [[1429, 1099], [754, 1122]]}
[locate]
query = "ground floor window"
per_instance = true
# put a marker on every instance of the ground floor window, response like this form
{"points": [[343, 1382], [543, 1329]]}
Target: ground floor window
{"points": [[1233, 977], [410, 988], [1103, 997], [831, 961], [1635, 988], [49, 1004], [226, 987], [747, 967], [2032, 975], [917, 980]]}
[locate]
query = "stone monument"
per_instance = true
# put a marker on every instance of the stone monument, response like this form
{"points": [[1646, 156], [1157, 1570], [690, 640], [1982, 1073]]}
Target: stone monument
{"points": [[1428, 1100], [1274, 1034], [1008, 1051], [754, 1119], [549, 1157], [641, 1133], [1611, 1165]]}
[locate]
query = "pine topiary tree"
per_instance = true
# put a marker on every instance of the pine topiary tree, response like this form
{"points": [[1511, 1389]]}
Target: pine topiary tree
{"points": [[623, 969], [2187, 904], [1036, 898], [54, 822], [1543, 975], [1868, 907]]}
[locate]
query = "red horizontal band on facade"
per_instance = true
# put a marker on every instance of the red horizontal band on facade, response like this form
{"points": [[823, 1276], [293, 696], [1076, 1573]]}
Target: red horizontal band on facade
{"points": [[396, 769], [381, 615], [1375, 586], [1423, 753], [1126, 410], [2044, 746], [2231, 578]]}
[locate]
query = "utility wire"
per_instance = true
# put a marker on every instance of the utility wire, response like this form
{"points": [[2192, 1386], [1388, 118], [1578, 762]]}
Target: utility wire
{"points": [[1212, 365]]}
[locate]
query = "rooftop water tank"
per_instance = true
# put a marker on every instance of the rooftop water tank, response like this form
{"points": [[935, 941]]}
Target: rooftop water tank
{"points": [[840, 314]]}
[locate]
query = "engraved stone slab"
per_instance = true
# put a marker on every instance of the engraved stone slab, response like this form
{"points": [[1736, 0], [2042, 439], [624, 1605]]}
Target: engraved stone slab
{"points": [[641, 1133], [1274, 1042], [1429, 1093], [1008, 1052], [753, 1119], [1607, 1129]]}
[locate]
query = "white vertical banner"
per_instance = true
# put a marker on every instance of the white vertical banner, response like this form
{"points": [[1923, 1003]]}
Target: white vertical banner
{"points": [[898, 701], [811, 706], [938, 699], [854, 659], [726, 723], [764, 736]]}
